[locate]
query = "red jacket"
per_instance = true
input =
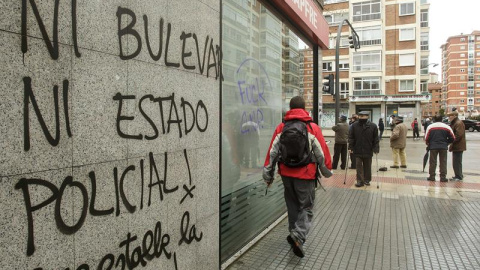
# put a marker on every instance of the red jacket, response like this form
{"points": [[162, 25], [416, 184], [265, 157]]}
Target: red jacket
{"points": [[318, 145]]}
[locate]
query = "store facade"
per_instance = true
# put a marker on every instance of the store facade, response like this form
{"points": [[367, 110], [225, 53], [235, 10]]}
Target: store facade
{"points": [[262, 70]]}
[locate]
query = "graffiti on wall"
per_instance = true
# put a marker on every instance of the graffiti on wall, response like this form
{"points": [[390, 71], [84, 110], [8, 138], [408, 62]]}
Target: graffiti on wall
{"points": [[328, 117], [151, 173]]}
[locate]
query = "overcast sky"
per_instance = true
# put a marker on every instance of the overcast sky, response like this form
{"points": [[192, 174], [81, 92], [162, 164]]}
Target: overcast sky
{"points": [[450, 18]]}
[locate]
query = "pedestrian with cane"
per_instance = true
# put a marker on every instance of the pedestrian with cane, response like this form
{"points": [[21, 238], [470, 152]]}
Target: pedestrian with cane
{"points": [[363, 142]]}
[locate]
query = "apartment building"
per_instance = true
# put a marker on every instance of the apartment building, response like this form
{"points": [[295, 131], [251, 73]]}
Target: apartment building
{"points": [[435, 105], [461, 74], [389, 73]]}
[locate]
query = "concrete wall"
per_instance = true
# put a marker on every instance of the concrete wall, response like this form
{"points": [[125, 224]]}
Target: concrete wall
{"points": [[109, 148]]}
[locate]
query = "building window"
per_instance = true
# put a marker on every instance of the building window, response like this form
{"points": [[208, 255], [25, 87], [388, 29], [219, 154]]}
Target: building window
{"points": [[336, 18], [407, 34], [462, 100], [424, 41], [424, 66], [424, 18], [344, 87], [407, 9], [327, 66], [370, 36], [462, 85], [462, 55], [462, 63], [366, 11], [344, 42], [407, 59], [366, 86], [343, 66], [462, 70], [407, 85], [462, 39], [367, 61]]}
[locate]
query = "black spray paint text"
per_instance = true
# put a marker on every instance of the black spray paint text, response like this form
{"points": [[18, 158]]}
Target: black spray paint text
{"points": [[190, 115], [87, 205]]}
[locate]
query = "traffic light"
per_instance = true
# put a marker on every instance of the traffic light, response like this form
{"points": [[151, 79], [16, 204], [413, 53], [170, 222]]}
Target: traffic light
{"points": [[328, 86], [353, 42]]}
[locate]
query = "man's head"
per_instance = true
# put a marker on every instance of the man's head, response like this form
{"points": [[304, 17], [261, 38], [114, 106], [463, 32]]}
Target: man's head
{"points": [[354, 117], [363, 116], [437, 118], [452, 115], [343, 118], [398, 120], [297, 102]]}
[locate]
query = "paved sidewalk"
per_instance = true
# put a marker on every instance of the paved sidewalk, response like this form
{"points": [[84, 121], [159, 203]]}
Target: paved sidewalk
{"points": [[407, 223]]}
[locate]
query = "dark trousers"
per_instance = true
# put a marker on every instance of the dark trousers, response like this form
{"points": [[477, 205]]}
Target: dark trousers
{"points": [[442, 154], [457, 164], [299, 196], [364, 169], [381, 134], [416, 134], [339, 150]]}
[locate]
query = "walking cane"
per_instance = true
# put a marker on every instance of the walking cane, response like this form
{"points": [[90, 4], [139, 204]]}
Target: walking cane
{"points": [[376, 158], [346, 168]]}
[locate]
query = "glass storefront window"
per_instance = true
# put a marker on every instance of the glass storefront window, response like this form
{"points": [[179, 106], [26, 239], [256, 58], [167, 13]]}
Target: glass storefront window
{"points": [[263, 68]]}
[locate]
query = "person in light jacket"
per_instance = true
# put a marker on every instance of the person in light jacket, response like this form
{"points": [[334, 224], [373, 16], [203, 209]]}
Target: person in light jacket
{"points": [[341, 141], [398, 142]]}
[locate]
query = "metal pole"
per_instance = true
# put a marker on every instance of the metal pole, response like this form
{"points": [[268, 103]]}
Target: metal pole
{"points": [[315, 84], [337, 63], [337, 73]]}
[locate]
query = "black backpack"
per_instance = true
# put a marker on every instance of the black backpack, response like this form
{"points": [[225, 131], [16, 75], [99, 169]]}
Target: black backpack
{"points": [[294, 145]]}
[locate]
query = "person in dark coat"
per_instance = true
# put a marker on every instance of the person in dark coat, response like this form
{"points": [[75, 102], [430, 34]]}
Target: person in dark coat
{"points": [[437, 137], [458, 146], [381, 128], [341, 141], [363, 142], [353, 119]]}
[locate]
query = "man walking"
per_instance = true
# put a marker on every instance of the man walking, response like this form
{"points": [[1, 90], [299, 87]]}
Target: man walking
{"points": [[416, 133], [299, 181], [363, 142], [458, 146], [381, 127], [353, 163], [398, 141], [341, 140], [437, 137]]}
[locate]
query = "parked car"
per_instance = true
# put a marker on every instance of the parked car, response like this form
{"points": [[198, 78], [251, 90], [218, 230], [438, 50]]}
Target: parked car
{"points": [[471, 125]]}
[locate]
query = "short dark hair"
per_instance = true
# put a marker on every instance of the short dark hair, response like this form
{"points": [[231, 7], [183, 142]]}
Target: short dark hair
{"points": [[297, 102], [437, 118]]}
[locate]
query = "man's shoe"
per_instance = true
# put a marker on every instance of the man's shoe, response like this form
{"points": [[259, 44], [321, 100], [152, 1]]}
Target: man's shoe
{"points": [[352, 168], [403, 166], [367, 183], [443, 180], [394, 167], [296, 246], [455, 179], [359, 184], [431, 178]]}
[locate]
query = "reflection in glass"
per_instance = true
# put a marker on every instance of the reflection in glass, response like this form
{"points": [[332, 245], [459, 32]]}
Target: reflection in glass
{"points": [[261, 70]]}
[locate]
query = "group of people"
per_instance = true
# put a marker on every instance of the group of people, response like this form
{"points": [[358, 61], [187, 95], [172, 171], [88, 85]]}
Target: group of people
{"points": [[441, 138], [360, 138]]}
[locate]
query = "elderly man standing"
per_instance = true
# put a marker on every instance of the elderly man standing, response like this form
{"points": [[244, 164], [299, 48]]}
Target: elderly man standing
{"points": [[398, 142], [341, 140], [459, 144], [363, 142]]}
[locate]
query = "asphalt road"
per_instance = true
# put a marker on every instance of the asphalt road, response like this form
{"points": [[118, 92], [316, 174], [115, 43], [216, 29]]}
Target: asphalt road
{"points": [[416, 150]]}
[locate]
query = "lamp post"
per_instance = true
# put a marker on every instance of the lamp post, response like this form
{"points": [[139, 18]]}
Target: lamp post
{"points": [[355, 45]]}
